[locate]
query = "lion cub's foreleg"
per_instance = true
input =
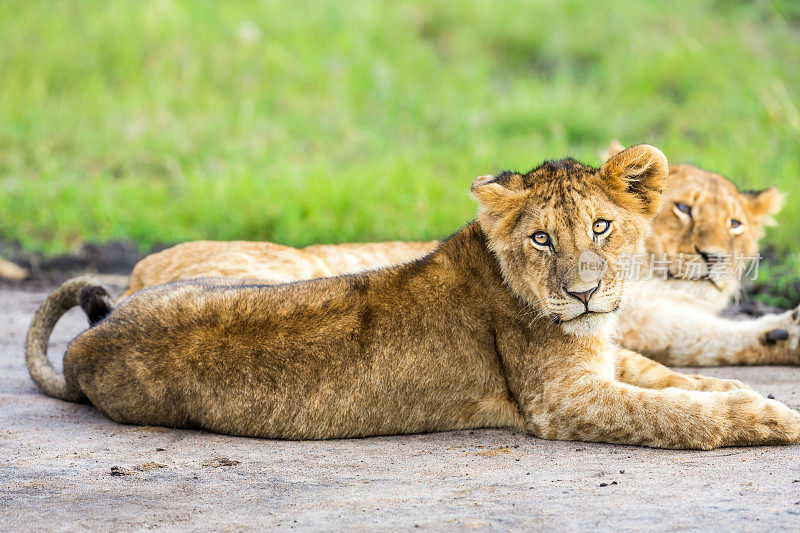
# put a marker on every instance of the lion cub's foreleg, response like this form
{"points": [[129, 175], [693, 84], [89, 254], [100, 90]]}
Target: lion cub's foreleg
{"points": [[585, 403], [638, 370], [682, 336]]}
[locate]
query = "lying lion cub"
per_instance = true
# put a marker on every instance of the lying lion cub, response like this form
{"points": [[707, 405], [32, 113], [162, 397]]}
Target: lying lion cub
{"points": [[495, 328], [671, 314]]}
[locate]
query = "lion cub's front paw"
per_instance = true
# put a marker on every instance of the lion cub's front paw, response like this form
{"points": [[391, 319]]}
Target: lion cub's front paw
{"points": [[758, 420], [705, 383], [786, 336]]}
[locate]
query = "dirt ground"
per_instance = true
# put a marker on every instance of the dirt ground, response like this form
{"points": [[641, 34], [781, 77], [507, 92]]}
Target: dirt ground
{"points": [[64, 466]]}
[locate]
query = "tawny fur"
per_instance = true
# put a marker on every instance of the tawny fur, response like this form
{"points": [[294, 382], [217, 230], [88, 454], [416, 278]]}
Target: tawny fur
{"points": [[480, 333], [9, 270], [267, 262], [674, 321]]}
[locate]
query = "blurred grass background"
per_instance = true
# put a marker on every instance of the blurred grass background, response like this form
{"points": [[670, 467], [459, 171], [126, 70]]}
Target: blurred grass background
{"points": [[323, 121]]}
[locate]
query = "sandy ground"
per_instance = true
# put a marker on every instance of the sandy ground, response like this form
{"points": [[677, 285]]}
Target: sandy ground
{"points": [[64, 466]]}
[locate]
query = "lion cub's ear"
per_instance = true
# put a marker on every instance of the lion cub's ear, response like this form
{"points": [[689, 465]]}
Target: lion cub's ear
{"points": [[639, 174], [497, 198], [613, 149], [761, 205]]}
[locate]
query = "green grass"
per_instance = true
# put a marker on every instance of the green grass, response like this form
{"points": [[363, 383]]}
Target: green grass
{"points": [[340, 121], [778, 282]]}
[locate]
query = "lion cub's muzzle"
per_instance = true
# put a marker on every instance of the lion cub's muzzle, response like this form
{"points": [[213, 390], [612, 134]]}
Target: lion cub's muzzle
{"points": [[580, 300], [587, 301]]}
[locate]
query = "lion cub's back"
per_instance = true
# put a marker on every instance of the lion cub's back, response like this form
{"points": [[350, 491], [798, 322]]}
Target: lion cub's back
{"points": [[268, 262], [263, 261], [357, 257]]}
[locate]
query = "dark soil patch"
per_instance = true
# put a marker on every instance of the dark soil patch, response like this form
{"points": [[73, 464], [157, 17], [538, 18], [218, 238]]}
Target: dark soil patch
{"points": [[117, 257], [118, 471], [218, 462]]}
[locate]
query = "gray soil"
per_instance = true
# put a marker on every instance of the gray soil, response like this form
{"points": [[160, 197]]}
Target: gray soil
{"points": [[64, 466]]}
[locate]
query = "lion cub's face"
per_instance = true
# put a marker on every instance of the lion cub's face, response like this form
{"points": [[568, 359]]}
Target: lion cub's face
{"points": [[560, 231], [706, 222]]}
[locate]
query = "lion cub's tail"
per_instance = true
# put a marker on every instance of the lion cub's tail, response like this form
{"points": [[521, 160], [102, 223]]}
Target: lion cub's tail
{"points": [[95, 302]]}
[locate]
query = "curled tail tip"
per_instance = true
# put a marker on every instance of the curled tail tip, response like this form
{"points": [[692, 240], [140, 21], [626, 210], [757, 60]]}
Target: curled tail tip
{"points": [[96, 303]]}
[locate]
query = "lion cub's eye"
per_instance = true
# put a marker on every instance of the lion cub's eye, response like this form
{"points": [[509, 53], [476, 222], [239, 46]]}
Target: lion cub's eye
{"points": [[736, 226], [541, 239], [601, 227], [686, 209]]}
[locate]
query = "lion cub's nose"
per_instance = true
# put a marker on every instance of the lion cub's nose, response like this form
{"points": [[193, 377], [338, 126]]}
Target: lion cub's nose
{"points": [[582, 296], [712, 257]]}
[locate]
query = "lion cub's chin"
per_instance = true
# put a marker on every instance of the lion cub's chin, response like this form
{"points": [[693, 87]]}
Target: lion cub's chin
{"points": [[591, 324]]}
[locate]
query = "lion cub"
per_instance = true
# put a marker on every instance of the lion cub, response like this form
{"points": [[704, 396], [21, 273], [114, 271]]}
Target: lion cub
{"points": [[498, 327]]}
